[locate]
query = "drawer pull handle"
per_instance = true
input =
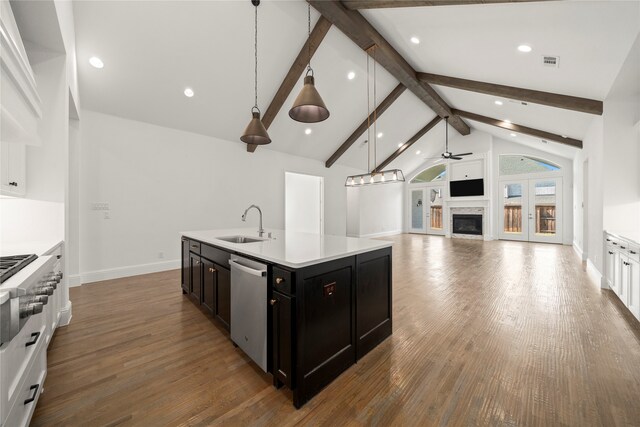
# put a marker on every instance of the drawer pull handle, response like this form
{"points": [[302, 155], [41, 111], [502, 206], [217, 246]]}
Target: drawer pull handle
{"points": [[13, 184], [212, 270], [622, 247], [608, 240], [33, 396], [615, 243], [34, 339], [279, 280], [273, 301], [633, 252], [196, 262], [610, 253], [194, 246]]}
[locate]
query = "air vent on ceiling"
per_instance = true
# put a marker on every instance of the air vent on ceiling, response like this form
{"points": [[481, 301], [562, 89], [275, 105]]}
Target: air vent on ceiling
{"points": [[551, 61]]}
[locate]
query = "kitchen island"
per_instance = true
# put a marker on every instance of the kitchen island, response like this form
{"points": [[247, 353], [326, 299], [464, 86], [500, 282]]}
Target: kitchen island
{"points": [[327, 301]]}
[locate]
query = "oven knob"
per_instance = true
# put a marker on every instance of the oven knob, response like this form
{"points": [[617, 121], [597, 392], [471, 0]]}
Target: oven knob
{"points": [[44, 299], [37, 307], [45, 290], [31, 309], [53, 284]]}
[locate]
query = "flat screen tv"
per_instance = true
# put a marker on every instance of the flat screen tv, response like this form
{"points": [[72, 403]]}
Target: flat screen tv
{"points": [[469, 187]]}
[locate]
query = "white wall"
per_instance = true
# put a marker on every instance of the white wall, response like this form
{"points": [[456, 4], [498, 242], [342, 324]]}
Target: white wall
{"points": [[375, 210], [160, 181], [303, 203]]}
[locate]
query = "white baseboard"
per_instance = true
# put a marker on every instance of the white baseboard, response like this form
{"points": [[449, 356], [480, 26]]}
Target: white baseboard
{"points": [[593, 273], [384, 233], [133, 270]]}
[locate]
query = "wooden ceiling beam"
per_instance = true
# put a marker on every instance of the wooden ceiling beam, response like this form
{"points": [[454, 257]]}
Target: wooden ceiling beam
{"points": [[299, 64], [383, 4], [361, 32], [386, 103], [422, 132], [520, 129], [583, 105]]}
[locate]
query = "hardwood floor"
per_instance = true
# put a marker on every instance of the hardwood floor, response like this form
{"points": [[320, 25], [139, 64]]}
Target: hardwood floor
{"points": [[485, 333]]}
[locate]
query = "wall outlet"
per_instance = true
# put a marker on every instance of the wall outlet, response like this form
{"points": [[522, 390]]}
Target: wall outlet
{"points": [[100, 206]]}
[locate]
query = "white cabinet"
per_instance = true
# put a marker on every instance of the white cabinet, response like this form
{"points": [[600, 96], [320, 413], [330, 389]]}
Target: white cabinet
{"points": [[622, 271], [13, 169]]}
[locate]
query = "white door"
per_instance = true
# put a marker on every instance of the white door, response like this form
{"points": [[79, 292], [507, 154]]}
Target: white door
{"points": [[304, 203], [417, 211], [531, 210], [633, 295], [434, 217]]}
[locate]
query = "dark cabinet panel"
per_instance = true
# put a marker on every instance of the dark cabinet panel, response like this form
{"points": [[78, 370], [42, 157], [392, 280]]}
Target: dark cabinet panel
{"points": [[185, 265], [373, 300], [209, 285], [196, 276], [223, 296], [282, 344], [216, 255], [283, 281]]}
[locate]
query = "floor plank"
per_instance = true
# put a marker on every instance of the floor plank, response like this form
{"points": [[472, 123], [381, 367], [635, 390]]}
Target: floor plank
{"points": [[485, 333]]}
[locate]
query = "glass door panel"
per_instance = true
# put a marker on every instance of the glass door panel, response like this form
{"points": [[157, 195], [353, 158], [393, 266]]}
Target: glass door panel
{"points": [[435, 224], [417, 211], [513, 223], [545, 210]]}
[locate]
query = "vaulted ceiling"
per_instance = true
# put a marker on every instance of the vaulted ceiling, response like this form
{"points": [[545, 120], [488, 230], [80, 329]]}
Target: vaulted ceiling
{"points": [[152, 50]]}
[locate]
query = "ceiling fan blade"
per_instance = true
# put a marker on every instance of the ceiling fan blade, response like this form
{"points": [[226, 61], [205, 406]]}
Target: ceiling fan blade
{"points": [[463, 154], [455, 158]]}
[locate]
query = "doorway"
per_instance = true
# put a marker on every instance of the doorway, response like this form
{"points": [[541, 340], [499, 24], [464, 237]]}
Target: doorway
{"points": [[531, 210], [426, 210], [304, 203]]}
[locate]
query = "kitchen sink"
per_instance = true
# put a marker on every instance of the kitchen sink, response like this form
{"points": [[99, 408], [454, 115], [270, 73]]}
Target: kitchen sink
{"points": [[241, 239]]}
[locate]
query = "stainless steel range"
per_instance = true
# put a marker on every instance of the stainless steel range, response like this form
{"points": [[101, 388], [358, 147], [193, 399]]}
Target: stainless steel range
{"points": [[28, 284]]}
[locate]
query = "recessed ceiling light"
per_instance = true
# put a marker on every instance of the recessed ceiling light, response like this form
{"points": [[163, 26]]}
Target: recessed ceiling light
{"points": [[524, 48], [497, 102], [188, 92], [400, 144], [96, 62], [513, 135], [415, 40], [380, 134], [351, 75], [307, 131], [564, 136], [507, 121], [418, 152]]}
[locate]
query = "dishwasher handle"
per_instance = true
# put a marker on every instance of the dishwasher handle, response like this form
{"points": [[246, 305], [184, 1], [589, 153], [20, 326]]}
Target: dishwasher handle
{"points": [[249, 270]]}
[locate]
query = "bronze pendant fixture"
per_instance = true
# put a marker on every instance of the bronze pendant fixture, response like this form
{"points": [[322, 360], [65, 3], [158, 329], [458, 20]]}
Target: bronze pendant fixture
{"points": [[255, 133], [309, 106]]}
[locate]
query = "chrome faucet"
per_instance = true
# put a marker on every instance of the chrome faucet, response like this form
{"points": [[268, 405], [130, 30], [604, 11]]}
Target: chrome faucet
{"points": [[244, 218]]}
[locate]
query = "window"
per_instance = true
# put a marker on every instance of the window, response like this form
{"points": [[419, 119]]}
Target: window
{"points": [[516, 165], [433, 174]]}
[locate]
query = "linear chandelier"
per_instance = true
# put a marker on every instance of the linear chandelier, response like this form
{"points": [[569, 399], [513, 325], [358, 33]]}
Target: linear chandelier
{"points": [[374, 176]]}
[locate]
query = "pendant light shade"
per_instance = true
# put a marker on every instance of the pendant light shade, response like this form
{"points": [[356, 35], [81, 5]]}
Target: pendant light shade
{"points": [[309, 106], [255, 133]]}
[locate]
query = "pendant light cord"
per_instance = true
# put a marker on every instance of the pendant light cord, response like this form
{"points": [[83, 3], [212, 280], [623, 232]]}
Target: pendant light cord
{"points": [[375, 114], [255, 81], [368, 118], [309, 38]]}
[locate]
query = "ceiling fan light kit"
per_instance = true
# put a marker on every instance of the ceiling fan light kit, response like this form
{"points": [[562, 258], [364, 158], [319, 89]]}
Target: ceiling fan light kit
{"points": [[309, 106], [255, 132], [375, 176]]}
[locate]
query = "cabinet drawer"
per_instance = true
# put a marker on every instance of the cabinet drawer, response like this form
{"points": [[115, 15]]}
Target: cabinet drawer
{"points": [[28, 392], [216, 255], [194, 246], [283, 281], [633, 252]]}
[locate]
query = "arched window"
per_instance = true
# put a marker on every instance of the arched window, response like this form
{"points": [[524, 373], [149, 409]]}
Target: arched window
{"points": [[432, 174], [511, 164]]}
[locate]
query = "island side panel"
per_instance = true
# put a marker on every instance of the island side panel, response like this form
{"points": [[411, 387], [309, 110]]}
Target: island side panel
{"points": [[325, 325], [373, 300]]}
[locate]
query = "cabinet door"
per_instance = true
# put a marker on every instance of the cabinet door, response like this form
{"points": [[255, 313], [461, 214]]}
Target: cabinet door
{"points": [[13, 169], [209, 284], [185, 265], [281, 312], [196, 276], [623, 285], [617, 274], [633, 296], [223, 295], [610, 266]]}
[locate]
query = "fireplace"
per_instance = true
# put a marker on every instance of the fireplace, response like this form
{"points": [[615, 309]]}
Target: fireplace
{"points": [[467, 224]]}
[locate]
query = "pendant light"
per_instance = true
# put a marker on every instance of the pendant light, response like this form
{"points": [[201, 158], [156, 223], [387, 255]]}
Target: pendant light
{"points": [[255, 133], [374, 177], [309, 106]]}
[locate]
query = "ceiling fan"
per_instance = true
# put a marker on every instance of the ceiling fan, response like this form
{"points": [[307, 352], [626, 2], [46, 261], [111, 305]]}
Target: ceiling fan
{"points": [[448, 154]]}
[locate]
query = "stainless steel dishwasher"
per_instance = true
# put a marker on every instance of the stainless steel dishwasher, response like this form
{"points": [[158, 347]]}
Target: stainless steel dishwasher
{"points": [[249, 308]]}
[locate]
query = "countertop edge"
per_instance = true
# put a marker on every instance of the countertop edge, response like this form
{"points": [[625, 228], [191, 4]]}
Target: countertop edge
{"points": [[622, 237]]}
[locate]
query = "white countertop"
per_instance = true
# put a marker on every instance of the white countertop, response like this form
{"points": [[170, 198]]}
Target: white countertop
{"points": [[633, 236], [25, 248], [290, 249]]}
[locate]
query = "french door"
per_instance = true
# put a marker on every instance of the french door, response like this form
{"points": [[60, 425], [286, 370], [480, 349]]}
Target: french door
{"points": [[531, 210], [426, 210]]}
